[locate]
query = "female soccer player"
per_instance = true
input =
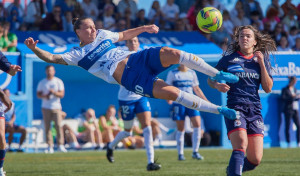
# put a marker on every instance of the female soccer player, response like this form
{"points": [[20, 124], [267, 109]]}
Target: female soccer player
{"points": [[248, 58], [186, 80], [135, 71], [132, 104]]}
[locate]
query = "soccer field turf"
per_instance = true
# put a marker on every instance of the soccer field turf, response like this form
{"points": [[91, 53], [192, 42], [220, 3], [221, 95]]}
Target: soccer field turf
{"points": [[276, 161]]}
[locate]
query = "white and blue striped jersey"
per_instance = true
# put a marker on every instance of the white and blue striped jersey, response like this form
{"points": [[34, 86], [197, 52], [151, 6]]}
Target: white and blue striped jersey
{"points": [[185, 81], [126, 95], [100, 57]]}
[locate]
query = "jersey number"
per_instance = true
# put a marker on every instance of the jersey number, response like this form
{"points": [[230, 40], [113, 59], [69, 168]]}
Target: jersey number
{"points": [[125, 109]]}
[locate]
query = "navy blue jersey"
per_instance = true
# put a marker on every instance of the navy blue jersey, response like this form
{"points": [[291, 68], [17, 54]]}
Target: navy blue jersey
{"points": [[4, 64], [245, 91]]}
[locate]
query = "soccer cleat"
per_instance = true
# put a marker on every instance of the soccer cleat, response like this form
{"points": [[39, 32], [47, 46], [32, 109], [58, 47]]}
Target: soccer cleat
{"points": [[61, 148], [181, 157], [153, 166], [228, 113], [170, 131], [197, 156], [228, 77], [110, 154], [2, 173]]}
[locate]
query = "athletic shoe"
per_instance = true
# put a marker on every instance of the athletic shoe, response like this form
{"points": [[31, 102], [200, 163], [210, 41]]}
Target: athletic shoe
{"points": [[228, 113], [197, 156], [109, 154], [49, 150], [2, 173], [153, 166], [61, 148], [170, 131], [227, 77], [181, 157]]}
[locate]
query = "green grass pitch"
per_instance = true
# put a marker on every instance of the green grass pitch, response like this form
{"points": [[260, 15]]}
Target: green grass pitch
{"points": [[276, 162]]}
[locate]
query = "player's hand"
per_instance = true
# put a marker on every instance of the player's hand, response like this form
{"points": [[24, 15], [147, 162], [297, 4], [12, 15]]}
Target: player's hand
{"points": [[151, 28], [13, 69], [30, 43], [260, 57], [222, 87], [169, 102]]}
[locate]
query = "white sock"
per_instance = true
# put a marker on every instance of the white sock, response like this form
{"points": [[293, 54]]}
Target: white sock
{"points": [[196, 139], [197, 63], [159, 137], [180, 142], [121, 135], [163, 127], [148, 140], [194, 102]]}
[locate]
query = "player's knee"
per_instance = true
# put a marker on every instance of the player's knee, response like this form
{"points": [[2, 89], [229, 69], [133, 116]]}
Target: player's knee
{"points": [[173, 94], [255, 160]]}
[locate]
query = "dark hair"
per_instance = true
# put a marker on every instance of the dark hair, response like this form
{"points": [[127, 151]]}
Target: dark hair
{"points": [[48, 66], [265, 43], [77, 22], [291, 78]]}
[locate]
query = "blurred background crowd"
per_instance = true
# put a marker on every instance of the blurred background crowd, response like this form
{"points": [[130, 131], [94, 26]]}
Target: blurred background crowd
{"points": [[281, 21]]}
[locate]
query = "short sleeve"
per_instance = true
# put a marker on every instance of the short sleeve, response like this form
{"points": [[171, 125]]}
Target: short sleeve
{"points": [[113, 36], [60, 85], [170, 78], [39, 87], [268, 68], [195, 79], [72, 57], [221, 65]]}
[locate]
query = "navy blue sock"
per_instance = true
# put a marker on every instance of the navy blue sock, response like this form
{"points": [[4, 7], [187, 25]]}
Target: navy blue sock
{"points": [[2, 156], [247, 165], [236, 163]]}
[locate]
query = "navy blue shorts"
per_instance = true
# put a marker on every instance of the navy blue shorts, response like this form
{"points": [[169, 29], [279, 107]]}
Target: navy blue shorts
{"points": [[179, 112], [250, 120], [130, 108], [141, 71]]}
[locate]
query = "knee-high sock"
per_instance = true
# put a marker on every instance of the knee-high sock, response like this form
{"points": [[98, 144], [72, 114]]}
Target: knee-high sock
{"points": [[121, 135], [2, 156], [159, 137], [196, 139], [194, 102], [180, 142], [236, 163], [148, 138], [197, 63], [248, 166]]}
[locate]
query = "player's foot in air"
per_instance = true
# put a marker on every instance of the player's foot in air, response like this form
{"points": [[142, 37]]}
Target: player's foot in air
{"points": [[228, 113], [109, 154], [181, 157], [197, 156], [171, 130], [153, 166], [224, 76]]}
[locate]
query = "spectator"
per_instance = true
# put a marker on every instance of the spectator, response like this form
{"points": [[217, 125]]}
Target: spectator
{"points": [[14, 19], [11, 127], [289, 6], [171, 13], [193, 11], [3, 44], [221, 36], [36, 10], [267, 28], [255, 21], [16, 5], [51, 90], [182, 25], [78, 11], [53, 20], [240, 19], [272, 18], [291, 108], [155, 14], [102, 5], [67, 22], [125, 4], [289, 20], [3, 12], [293, 35], [90, 9], [66, 5], [99, 24], [141, 20], [278, 33], [121, 25], [283, 44], [276, 5], [10, 38], [184, 5], [216, 4], [297, 46], [109, 21], [234, 11], [23, 27], [127, 18], [227, 23], [251, 6]]}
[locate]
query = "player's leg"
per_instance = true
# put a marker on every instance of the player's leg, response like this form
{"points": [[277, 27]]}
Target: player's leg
{"points": [[287, 117], [47, 117], [162, 90], [57, 117], [156, 132], [70, 137], [196, 121], [98, 137], [297, 123], [170, 56], [254, 153], [22, 130], [180, 139], [10, 130], [2, 143], [239, 142]]}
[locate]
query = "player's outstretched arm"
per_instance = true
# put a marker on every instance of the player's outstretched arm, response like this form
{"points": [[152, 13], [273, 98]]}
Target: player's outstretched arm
{"points": [[222, 87], [130, 33], [4, 98], [42, 54]]}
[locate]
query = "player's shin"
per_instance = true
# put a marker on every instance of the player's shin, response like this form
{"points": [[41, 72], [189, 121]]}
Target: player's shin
{"points": [[147, 132], [180, 142], [196, 138], [121, 135], [197, 63], [236, 163]]}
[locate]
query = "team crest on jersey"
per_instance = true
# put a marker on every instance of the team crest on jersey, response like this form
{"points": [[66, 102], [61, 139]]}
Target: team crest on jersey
{"points": [[235, 68], [237, 123], [236, 59]]}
